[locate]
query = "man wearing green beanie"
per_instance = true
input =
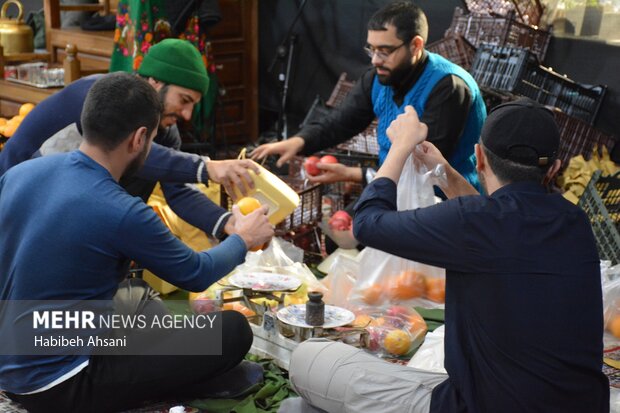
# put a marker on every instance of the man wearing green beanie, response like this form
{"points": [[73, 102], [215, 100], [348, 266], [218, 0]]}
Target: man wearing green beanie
{"points": [[176, 71], [176, 62]]}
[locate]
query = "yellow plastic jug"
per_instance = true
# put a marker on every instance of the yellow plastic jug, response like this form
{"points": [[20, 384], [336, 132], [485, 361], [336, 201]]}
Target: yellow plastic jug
{"points": [[271, 190]]}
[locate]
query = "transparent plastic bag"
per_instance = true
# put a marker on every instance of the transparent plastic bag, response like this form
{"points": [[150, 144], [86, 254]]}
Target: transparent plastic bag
{"points": [[392, 331], [275, 260], [340, 280], [386, 279], [611, 299]]}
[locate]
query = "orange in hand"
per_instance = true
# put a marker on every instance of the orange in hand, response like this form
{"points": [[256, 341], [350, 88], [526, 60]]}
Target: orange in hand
{"points": [[246, 206]]}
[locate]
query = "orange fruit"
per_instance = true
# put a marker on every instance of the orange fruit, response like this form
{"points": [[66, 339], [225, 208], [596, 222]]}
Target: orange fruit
{"points": [[377, 322], [372, 295], [25, 109], [614, 326], [436, 289], [417, 325], [3, 121], [409, 284], [362, 321], [10, 128], [248, 204], [397, 342]]}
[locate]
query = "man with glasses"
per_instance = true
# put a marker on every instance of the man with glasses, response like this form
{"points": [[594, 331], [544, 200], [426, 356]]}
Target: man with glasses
{"points": [[403, 73]]}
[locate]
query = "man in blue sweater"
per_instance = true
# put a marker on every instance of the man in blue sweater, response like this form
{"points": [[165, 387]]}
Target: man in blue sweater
{"points": [[517, 263], [68, 231], [403, 73], [175, 70]]}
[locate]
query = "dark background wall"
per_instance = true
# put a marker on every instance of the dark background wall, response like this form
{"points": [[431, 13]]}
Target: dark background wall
{"points": [[331, 34]]}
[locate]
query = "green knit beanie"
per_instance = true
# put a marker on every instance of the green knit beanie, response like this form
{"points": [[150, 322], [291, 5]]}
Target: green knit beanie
{"points": [[176, 62]]}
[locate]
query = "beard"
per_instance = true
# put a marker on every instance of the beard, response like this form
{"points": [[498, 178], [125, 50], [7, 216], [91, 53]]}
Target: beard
{"points": [[397, 74], [137, 163], [163, 92]]}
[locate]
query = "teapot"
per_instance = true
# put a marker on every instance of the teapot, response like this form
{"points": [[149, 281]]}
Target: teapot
{"points": [[15, 35]]}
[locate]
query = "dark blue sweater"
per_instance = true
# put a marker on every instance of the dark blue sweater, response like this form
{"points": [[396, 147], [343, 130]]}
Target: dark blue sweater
{"points": [[164, 163], [67, 232], [524, 317]]}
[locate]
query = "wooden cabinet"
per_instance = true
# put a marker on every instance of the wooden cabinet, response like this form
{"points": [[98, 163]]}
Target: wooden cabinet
{"points": [[235, 48]]}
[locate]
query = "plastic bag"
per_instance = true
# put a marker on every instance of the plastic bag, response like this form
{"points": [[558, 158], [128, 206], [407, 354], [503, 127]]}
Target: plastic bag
{"points": [[275, 260], [340, 280], [386, 279], [395, 331], [611, 298], [430, 355]]}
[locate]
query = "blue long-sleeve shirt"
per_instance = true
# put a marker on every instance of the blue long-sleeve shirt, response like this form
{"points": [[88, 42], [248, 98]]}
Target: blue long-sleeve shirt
{"points": [[524, 317], [68, 231], [165, 162]]}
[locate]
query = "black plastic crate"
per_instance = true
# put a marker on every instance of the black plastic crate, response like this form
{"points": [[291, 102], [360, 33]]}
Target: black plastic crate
{"points": [[593, 202], [550, 88], [456, 49], [501, 67], [498, 30], [515, 70]]}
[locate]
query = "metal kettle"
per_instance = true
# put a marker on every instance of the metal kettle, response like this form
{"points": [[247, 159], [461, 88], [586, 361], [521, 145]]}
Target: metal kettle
{"points": [[15, 35]]}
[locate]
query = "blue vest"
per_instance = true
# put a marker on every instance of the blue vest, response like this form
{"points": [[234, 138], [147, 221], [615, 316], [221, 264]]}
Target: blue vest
{"points": [[463, 159]]}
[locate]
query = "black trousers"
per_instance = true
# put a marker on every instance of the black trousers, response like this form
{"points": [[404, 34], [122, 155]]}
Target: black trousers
{"points": [[114, 383]]}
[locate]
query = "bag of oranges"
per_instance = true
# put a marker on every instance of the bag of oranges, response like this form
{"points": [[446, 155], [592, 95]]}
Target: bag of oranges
{"points": [[386, 279]]}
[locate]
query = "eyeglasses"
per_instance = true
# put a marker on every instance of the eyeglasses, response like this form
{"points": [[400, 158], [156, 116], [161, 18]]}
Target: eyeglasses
{"points": [[382, 52]]}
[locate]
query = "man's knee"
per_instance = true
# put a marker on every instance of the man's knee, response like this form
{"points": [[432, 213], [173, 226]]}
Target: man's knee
{"points": [[236, 332]]}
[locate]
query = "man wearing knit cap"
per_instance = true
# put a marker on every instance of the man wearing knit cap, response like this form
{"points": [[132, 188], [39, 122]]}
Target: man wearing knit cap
{"points": [[175, 69], [518, 261]]}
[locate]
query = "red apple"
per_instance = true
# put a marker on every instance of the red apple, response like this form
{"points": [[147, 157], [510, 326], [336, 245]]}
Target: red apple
{"points": [[310, 165], [340, 221], [329, 159]]}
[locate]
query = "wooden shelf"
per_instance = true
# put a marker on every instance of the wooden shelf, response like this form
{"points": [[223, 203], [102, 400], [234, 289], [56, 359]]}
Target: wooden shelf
{"points": [[13, 95]]}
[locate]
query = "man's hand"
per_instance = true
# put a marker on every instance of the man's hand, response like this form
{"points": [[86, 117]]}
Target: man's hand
{"points": [[336, 172], [406, 131], [454, 184], [254, 228], [231, 173], [287, 149], [429, 155]]}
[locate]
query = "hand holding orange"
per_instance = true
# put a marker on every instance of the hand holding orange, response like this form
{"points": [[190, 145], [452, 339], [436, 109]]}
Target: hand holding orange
{"points": [[247, 205]]}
